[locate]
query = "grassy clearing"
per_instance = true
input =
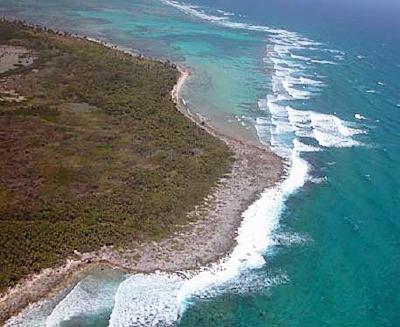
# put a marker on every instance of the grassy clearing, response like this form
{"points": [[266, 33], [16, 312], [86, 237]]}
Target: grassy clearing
{"points": [[95, 154]]}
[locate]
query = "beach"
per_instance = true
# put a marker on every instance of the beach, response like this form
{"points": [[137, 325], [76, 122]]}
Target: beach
{"points": [[208, 236]]}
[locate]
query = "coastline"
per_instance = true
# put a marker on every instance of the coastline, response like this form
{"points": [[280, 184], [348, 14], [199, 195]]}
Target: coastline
{"points": [[214, 224]]}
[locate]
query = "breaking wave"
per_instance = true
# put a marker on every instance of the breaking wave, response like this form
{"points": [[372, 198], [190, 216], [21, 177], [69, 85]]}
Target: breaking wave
{"points": [[147, 300], [91, 295]]}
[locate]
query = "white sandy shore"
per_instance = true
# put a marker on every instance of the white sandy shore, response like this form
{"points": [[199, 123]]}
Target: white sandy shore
{"points": [[209, 236]]}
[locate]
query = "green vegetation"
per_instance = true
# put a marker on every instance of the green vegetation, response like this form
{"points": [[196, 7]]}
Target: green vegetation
{"points": [[96, 153]]}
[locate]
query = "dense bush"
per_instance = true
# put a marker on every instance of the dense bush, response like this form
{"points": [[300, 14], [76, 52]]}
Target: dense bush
{"points": [[97, 154]]}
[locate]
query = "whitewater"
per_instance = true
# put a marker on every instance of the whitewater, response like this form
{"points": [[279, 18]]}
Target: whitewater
{"points": [[160, 299]]}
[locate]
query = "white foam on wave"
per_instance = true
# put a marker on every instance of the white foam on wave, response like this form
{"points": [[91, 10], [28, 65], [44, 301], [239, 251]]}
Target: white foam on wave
{"points": [[90, 296], [245, 284], [305, 81], [290, 239], [323, 62], [224, 20], [291, 78], [147, 300], [225, 13], [327, 130], [195, 11], [359, 116], [319, 180], [303, 58], [281, 63], [285, 123], [330, 131], [294, 92]]}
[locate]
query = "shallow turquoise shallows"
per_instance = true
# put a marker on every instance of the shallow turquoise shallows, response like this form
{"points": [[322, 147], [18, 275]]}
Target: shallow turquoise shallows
{"points": [[319, 83]]}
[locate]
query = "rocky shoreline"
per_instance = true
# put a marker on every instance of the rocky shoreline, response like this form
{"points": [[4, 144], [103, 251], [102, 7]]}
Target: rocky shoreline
{"points": [[209, 235]]}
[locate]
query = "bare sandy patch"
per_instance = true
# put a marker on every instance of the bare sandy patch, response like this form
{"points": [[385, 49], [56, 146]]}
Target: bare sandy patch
{"points": [[12, 57]]}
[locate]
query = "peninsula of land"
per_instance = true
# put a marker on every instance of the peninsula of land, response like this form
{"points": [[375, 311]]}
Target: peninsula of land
{"points": [[101, 163]]}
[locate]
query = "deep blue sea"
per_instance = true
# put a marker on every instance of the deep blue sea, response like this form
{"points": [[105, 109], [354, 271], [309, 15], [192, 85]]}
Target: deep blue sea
{"points": [[318, 83]]}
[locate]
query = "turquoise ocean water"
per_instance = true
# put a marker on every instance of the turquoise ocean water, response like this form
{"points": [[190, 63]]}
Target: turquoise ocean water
{"points": [[319, 83]]}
